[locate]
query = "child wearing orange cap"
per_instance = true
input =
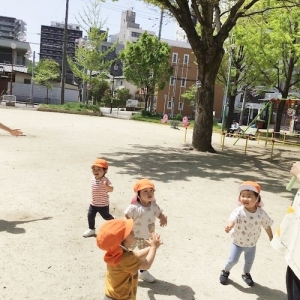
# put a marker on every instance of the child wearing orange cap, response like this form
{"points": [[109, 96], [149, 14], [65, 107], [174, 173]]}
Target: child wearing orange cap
{"points": [[245, 224], [144, 211], [116, 237], [101, 186]]}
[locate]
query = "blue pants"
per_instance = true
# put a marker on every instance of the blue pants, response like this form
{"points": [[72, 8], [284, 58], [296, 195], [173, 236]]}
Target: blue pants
{"points": [[235, 253], [102, 210]]}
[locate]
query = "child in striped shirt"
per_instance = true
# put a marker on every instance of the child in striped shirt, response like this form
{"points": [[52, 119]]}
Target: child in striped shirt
{"points": [[101, 186]]}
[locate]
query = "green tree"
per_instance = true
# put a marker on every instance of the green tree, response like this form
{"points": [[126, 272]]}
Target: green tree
{"points": [[272, 43], [45, 72], [146, 65], [99, 87], [122, 95], [216, 19], [90, 62]]}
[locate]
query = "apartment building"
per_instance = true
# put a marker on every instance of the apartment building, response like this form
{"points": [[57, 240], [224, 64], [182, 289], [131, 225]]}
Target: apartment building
{"points": [[169, 100], [12, 29], [51, 43]]}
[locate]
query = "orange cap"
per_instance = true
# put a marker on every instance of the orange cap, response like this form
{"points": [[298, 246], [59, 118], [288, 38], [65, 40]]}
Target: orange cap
{"points": [[250, 185], [102, 163], [143, 184], [110, 236]]}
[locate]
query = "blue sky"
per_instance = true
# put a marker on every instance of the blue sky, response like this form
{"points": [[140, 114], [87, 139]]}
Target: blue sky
{"points": [[41, 12]]}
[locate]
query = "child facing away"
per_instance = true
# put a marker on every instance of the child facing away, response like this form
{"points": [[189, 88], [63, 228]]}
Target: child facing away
{"points": [[245, 224], [101, 186], [144, 211], [116, 237]]}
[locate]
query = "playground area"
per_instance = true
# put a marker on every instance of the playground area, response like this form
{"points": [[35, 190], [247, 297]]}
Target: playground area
{"points": [[45, 194]]}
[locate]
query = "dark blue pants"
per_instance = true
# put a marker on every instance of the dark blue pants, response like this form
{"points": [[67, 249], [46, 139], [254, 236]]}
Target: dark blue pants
{"points": [[102, 210], [292, 285]]}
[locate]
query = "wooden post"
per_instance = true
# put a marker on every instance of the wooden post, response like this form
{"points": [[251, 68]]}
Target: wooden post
{"points": [[246, 145], [272, 149], [223, 139]]}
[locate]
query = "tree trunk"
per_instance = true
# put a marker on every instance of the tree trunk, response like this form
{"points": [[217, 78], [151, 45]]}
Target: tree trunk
{"points": [[208, 65], [279, 115], [47, 98]]}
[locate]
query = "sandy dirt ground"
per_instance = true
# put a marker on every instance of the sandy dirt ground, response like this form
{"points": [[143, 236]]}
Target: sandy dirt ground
{"points": [[45, 193]]}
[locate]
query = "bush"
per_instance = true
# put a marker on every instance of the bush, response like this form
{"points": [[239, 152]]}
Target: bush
{"points": [[178, 117], [146, 113]]}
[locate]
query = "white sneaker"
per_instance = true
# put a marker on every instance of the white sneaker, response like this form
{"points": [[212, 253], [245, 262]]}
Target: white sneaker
{"points": [[89, 232], [146, 276]]}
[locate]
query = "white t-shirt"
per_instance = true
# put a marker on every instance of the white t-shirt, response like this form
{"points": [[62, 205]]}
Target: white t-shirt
{"points": [[144, 218], [248, 225]]}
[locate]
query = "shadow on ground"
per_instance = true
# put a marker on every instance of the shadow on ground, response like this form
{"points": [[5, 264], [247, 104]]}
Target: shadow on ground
{"points": [[262, 292], [167, 164], [11, 226], [183, 292]]}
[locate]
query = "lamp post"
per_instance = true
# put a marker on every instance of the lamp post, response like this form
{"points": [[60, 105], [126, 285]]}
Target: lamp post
{"points": [[115, 68], [13, 46]]}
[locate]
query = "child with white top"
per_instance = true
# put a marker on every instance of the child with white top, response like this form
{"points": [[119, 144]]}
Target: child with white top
{"points": [[245, 224], [144, 211], [101, 186]]}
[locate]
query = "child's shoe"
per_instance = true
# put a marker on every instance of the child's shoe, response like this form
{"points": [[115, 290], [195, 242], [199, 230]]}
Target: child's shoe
{"points": [[146, 276], [224, 276], [248, 279], [89, 232]]}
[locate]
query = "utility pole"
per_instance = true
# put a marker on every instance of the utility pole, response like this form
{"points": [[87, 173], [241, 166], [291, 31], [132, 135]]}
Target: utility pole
{"points": [[32, 75], [63, 65], [160, 23]]}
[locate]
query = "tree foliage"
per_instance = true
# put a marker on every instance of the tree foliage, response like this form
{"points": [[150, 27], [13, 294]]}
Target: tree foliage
{"points": [[215, 19], [45, 72], [90, 59], [272, 43], [146, 64]]}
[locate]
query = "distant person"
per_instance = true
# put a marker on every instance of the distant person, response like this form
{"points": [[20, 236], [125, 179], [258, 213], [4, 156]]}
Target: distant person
{"points": [[144, 211], [287, 242], [14, 132], [245, 224], [116, 237], [101, 186], [234, 128]]}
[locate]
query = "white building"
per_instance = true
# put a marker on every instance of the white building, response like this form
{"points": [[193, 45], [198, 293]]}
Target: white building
{"points": [[129, 30]]}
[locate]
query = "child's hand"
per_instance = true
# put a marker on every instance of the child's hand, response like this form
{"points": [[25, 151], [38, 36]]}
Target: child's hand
{"points": [[163, 220], [106, 186], [154, 240], [229, 226]]}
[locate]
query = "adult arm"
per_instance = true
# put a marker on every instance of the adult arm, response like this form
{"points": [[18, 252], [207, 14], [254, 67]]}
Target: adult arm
{"points": [[15, 132]]}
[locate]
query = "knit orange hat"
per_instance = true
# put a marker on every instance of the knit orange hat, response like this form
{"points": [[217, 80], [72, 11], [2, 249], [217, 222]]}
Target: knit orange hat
{"points": [[143, 184], [101, 163], [110, 236]]}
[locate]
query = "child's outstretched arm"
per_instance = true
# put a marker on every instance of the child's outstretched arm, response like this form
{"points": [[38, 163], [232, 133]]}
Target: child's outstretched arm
{"points": [[229, 226], [163, 220], [154, 243], [269, 232]]}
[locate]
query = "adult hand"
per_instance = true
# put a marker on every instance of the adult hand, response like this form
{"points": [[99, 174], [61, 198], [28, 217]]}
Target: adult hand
{"points": [[16, 132]]}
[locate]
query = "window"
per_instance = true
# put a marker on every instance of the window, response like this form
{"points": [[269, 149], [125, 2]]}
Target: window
{"points": [[103, 48], [180, 106], [121, 82], [135, 34], [169, 106], [27, 81], [183, 82], [174, 58], [186, 59], [172, 80]]}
